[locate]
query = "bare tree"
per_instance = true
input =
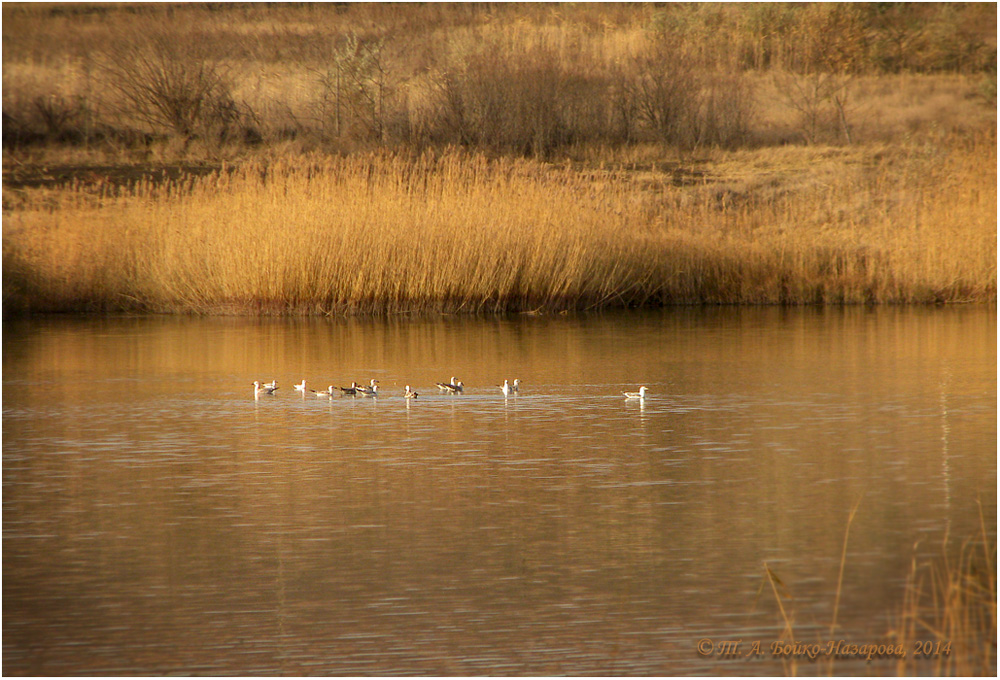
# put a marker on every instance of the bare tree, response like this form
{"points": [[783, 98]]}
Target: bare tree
{"points": [[358, 85]]}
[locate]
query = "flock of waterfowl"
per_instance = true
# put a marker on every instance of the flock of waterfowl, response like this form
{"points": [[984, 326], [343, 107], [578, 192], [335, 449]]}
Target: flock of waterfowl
{"points": [[371, 390]]}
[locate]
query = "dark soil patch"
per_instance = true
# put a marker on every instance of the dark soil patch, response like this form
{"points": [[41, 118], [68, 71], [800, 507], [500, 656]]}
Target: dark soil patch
{"points": [[56, 176]]}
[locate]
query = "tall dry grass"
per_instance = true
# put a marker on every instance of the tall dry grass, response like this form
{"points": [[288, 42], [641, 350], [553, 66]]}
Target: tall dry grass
{"points": [[455, 232], [950, 604], [946, 623]]}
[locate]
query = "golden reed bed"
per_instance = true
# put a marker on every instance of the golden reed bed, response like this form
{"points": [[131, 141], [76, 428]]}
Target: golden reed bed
{"points": [[454, 232]]}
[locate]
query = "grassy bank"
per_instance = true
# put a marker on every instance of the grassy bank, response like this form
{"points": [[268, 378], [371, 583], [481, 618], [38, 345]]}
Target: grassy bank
{"points": [[386, 233]]}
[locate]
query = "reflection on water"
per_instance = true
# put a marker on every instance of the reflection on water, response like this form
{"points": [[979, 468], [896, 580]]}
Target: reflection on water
{"points": [[159, 519]]}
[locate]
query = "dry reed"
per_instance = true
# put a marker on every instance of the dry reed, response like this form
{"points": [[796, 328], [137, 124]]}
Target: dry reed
{"points": [[948, 619], [946, 624], [388, 234]]}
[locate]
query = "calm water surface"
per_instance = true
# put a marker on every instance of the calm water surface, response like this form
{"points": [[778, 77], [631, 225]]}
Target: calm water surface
{"points": [[159, 519]]}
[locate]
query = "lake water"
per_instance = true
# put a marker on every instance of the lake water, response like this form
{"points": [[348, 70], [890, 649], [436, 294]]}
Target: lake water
{"points": [[159, 519]]}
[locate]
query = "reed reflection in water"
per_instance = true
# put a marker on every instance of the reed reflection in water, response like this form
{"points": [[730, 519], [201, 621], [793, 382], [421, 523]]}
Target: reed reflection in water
{"points": [[159, 519]]}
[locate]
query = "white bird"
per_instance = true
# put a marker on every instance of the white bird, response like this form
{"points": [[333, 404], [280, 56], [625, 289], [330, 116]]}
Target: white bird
{"points": [[451, 387], [259, 389], [273, 385], [517, 383], [410, 394], [505, 388], [301, 387], [369, 391], [326, 393], [641, 394]]}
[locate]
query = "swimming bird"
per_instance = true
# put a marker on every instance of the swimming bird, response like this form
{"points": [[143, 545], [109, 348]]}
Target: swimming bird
{"points": [[505, 388], [410, 394], [641, 394], [328, 392], [517, 383], [454, 387], [352, 390], [451, 387], [369, 391], [273, 385], [259, 389], [301, 387]]}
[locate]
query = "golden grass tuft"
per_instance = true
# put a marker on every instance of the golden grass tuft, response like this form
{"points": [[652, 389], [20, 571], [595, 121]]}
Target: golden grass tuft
{"points": [[946, 623], [386, 233], [949, 613]]}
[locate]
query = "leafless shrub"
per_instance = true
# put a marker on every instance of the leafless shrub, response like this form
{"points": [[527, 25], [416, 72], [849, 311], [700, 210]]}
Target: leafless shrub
{"points": [[687, 104], [165, 84], [622, 99], [58, 114], [727, 109], [666, 93], [44, 118], [521, 102], [822, 100]]}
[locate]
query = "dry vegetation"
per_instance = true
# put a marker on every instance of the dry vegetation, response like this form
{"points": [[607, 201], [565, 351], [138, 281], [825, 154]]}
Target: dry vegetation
{"points": [[945, 626], [158, 79], [388, 158], [952, 600], [388, 233]]}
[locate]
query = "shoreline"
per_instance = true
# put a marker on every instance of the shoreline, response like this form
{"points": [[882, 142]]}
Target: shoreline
{"points": [[248, 312]]}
